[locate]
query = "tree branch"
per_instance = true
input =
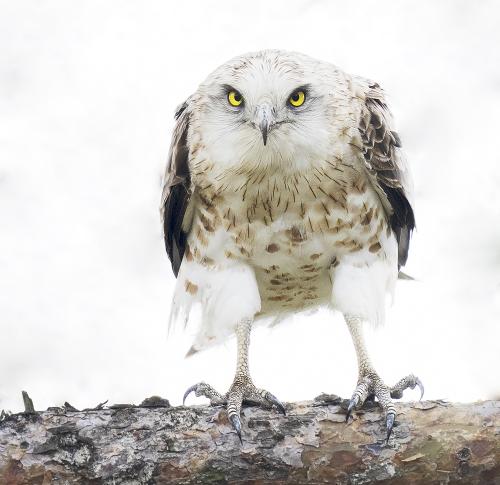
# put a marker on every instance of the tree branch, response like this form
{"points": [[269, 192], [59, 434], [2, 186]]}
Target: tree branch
{"points": [[433, 443]]}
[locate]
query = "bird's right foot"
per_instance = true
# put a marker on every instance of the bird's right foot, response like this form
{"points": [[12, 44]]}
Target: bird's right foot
{"points": [[241, 390], [370, 384]]}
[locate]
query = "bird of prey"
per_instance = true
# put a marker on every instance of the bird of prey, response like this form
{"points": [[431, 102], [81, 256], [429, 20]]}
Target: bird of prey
{"points": [[285, 189]]}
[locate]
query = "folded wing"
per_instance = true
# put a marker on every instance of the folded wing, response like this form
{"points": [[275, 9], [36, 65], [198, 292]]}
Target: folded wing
{"points": [[386, 166], [177, 191]]}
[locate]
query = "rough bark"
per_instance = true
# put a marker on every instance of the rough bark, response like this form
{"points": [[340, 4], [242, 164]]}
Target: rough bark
{"points": [[434, 442]]}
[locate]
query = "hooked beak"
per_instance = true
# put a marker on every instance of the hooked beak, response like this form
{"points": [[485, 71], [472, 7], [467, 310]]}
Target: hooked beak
{"points": [[264, 119]]}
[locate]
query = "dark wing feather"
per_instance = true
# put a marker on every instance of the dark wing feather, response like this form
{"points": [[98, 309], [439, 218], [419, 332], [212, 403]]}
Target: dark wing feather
{"points": [[176, 190], [386, 167]]}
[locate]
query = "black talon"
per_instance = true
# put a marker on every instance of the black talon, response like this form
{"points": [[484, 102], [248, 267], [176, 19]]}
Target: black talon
{"points": [[277, 403], [389, 420], [236, 422], [188, 392], [352, 404]]}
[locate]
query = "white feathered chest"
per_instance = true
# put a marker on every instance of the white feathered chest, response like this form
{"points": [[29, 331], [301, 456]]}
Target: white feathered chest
{"points": [[290, 233]]}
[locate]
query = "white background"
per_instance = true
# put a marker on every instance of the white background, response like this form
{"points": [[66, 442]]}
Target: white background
{"points": [[87, 94]]}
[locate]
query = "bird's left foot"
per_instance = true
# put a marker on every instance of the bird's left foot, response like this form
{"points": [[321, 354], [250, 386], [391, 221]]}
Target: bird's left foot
{"points": [[371, 384], [241, 390]]}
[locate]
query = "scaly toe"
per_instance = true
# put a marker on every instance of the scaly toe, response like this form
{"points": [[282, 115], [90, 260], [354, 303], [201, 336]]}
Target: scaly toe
{"points": [[362, 391], [408, 382], [265, 398], [206, 390]]}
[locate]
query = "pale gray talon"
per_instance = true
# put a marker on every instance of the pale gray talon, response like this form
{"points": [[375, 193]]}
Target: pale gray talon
{"points": [[236, 423], [353, 403], [189, 390], [389, 421], [418, 382]]}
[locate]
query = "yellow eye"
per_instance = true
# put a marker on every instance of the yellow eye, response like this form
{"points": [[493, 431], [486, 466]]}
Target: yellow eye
{"points": [[297, 98], [234, 98]]}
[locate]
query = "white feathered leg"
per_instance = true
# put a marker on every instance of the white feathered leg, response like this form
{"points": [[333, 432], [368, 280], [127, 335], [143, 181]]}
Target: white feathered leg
{"points": [[369, 382], [242, 388]]}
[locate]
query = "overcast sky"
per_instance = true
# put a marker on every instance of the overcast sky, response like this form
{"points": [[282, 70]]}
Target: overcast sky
{"points": [[87, 95]]}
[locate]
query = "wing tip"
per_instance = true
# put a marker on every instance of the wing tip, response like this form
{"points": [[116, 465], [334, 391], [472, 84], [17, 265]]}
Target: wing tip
{"points": [[192, 351]]}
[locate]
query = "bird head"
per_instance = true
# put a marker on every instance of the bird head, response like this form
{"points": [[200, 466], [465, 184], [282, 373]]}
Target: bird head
{"points": [[269, 108]]}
